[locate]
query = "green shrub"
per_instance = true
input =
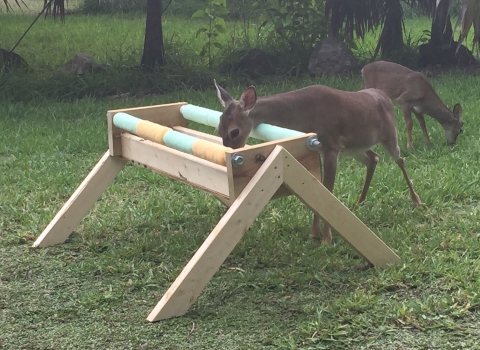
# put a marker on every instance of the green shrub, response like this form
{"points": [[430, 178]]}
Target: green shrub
{"points": [[183, 8]]}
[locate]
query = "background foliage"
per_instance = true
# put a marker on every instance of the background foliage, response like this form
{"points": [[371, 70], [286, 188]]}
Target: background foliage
{"points": [[285, 30]]}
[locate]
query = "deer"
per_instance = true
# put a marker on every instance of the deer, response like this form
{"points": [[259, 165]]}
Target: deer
{"points": [[346, 123], [412, 91]]}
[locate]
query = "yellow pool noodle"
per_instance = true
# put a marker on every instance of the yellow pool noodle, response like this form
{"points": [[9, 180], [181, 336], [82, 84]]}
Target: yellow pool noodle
{"points": [[210, 151], [151, 131]]}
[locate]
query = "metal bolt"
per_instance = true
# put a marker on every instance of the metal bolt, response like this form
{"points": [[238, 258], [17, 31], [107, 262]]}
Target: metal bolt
{"points": [[237, 160], [313, 143]]}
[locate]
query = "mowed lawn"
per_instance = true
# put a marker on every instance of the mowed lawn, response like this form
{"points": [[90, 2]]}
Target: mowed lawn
{"points": [[277, 290], [288, 292]]}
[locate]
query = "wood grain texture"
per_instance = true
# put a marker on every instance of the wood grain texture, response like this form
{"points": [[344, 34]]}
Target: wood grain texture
{"points": [[81, 201]]}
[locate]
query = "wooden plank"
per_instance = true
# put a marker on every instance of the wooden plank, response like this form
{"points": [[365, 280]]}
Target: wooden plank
{"points": [[311, 192], [81, 201], [255, 155], [221, 241], [166, 114], [199, 134], [181, 166]]}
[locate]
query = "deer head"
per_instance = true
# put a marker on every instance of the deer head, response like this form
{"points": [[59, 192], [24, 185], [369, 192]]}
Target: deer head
{"points": [[235, 123], [454, 127]]}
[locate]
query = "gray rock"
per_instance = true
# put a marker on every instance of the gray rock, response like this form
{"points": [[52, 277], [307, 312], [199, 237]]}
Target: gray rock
{"points": [[330, 56], [11, 60], [82, 63]]}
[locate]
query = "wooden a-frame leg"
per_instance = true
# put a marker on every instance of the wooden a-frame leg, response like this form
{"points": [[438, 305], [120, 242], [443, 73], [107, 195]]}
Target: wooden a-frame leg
{"points": [[221, 241], [311, 192], [81, 201]]}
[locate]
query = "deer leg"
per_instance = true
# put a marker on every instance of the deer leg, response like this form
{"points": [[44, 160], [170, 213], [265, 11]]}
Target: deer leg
{"points": [[394, 150], [370, 160], [315, 232], [407, 116], [415, 198], [421, 121], [330, 159]]}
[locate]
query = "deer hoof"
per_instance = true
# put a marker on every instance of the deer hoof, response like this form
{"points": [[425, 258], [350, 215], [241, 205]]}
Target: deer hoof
{"points": [[327, 241]]}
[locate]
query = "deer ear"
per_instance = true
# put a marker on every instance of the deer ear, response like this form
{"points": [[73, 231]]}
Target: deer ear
{"points": [[248, 99], [457, 111], [222, 94]]}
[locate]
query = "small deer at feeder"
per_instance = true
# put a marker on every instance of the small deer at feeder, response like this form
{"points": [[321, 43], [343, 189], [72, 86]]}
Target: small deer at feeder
{"points": [[346, 123], [414, 93]]}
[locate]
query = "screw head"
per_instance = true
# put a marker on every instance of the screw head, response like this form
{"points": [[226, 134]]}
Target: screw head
{"points": [[237, 160], [313, 143]]}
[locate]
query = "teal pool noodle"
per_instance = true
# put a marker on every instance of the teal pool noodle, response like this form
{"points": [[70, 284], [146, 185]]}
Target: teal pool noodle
{"points": [[174, 139], [126, 122], [265, 132], [179, 141], [201, 115]]}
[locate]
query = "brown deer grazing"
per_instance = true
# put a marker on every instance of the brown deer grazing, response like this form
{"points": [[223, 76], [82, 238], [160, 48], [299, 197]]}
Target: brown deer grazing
{"points": [[346, 123], [414, 94]]}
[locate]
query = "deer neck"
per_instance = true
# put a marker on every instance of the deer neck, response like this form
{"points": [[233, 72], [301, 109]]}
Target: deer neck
{"points": [[268, 110], [440, 112]]}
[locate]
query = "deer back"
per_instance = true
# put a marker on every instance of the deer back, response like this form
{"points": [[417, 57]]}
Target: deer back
{"points": [[412, 90], [340, 119]]}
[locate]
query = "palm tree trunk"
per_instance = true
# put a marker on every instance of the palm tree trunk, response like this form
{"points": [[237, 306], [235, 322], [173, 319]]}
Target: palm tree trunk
{"points": [[391, 38], [153, 50], [441, 33]]}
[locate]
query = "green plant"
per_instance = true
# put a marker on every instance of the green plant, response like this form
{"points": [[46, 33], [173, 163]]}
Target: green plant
{"points": [[215, 27], [277, 290], [297, 25]]}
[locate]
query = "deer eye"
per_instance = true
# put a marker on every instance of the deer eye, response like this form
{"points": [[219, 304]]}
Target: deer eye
{"points": [[234, 133]]}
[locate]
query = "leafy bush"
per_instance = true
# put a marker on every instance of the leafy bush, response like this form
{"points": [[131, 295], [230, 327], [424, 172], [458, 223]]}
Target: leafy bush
{"points": [[183, 8], [294, 26], [241, 9], [213, 28]]}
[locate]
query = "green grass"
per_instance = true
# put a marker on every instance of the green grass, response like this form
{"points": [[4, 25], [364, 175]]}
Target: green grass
{"points": [[112, 39], [115, 40], [95, 290], [118, 39]]}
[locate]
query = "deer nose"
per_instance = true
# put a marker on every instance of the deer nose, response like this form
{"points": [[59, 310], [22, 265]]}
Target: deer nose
{"points": [[234, 133]]}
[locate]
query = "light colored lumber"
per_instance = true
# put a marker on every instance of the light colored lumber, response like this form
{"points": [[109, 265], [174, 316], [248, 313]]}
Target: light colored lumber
{"points": [[311, 192], [221, 241], [255, 155], [81, 201], [181, 166], [167, 115], [199, 134]]}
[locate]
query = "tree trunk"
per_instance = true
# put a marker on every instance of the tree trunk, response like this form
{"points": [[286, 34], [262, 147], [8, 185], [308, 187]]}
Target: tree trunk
{"points": [[391, 38], [153, 51], [441, 49], [441, 33]]}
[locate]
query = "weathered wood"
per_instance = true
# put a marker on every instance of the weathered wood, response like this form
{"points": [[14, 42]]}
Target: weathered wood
{"points": [[81, 201], [221, 241], [311, 192]]}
